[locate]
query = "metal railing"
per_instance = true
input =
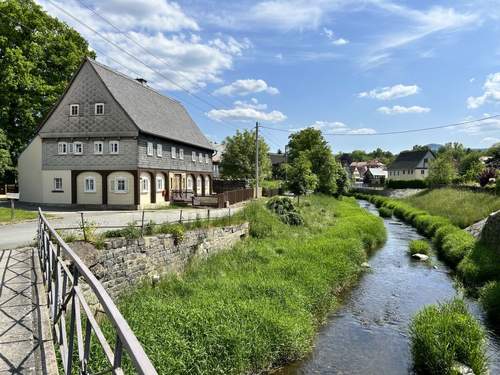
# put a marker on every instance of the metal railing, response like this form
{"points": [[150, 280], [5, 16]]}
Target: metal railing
{"points": [[63, 271]]}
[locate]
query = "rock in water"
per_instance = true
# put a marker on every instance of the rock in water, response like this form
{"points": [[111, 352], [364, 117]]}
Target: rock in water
{"points": [[462, 369], [365, 265], [490, 235], [420, 256]]}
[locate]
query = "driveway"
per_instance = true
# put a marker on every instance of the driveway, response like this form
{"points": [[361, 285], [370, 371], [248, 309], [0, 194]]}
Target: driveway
{"points": [[23, 234]]}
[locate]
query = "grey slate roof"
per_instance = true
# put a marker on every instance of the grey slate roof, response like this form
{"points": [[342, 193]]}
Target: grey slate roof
{"points": [[152, 112], [408, 159], [276, 158]]}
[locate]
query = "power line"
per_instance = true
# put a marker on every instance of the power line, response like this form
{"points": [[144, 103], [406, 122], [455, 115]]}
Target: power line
{"points": [[452, 125]]}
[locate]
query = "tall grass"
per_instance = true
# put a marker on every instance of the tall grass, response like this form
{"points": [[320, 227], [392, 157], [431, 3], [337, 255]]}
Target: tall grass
{"points": [[258, 305], [461, 207]]}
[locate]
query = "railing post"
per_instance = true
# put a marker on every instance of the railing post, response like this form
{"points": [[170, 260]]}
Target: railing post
{"points": [[83, 228], [72, 324], [118, 354]]}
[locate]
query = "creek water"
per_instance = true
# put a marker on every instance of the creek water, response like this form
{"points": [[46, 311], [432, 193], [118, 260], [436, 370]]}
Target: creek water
{"points": [[369, 333]]}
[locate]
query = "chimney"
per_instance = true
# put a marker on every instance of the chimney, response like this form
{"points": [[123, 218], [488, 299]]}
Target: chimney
{"points": [[142, 81]]}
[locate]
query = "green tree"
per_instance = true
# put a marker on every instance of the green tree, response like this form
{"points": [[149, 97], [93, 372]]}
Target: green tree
{"points": [[441, 170], [301, 179], [38, 55], [5, 161], [239, 157], [470, 166]]}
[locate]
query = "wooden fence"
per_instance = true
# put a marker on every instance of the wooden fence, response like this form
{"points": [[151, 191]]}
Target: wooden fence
{"points": [[8, 188], [234, 196]]}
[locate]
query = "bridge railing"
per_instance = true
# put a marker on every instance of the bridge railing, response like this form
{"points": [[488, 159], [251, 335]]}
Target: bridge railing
{"points": [[63, 271]]}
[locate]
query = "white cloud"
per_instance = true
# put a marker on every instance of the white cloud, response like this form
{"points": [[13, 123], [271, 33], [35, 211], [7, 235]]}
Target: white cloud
{"points": [[340, 127], [287, 15], [490, 140], [244, 87], [340, 42], [245, 112], [182, 59], [390, 92], [491, 93], [472, 80], [331, 36], [398, 109], [478, 127]]}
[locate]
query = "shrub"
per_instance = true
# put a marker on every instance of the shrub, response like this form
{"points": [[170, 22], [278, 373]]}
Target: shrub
{"points": [[444, 334], [149, 228], [489, 296], [419, 246], [129, 232], [385, 212], [285, 209], [486, 175], [176, 230], [407, 184], [292, 218]]}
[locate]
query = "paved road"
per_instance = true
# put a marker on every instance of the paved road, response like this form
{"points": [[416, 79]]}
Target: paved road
{"points": [[23, 234]]}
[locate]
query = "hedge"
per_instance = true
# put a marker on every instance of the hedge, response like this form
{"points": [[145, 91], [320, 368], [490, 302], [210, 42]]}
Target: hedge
{"points": [[407, 184]]}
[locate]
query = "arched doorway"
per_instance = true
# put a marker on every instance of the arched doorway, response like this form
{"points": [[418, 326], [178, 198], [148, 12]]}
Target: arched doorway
{"points": [[199, 187], [121, 188], [189, 183], [89, 188]]}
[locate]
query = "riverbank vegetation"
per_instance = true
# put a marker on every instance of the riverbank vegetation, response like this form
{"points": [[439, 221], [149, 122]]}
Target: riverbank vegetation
{"points": [[258, 305], [385, 212], [419, 247], [445, 336], [461, 207]]}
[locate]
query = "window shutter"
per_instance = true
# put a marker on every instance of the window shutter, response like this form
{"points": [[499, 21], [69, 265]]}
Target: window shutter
{"points": [[112, 183], [126, 184]]}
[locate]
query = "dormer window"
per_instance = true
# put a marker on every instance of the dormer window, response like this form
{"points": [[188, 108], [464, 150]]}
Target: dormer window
{"points": [[74, 109], [99, 109]]}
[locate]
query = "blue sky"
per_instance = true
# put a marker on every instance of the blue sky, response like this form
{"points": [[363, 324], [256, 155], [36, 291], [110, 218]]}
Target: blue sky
{"points": [[352, 67]]}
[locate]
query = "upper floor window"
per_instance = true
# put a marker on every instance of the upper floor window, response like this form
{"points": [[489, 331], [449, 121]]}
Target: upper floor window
{"points": [[159, 150], [99, 108], [206, 158], [58, 186], [422, 171], [62, 148], [74, 109], [78, 148], [114, 147], [98, 147], [150, 148], [181, 154], [200, 157], [89, 186], [174, 152], [193, 156]]}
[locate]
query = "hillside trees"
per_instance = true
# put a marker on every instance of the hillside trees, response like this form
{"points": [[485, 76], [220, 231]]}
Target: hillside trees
{"points": [[38, 55]]}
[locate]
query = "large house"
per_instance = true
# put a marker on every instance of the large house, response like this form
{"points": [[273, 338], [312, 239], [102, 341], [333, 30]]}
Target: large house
{"points": [[411, 165], [112, 141]]}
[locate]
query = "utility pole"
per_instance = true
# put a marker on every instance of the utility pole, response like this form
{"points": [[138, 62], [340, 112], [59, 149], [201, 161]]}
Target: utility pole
{"points": [[257, 159]]}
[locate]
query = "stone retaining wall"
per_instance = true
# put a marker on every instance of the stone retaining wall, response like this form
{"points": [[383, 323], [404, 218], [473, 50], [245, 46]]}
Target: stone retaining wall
{"points": [[123, 263]]}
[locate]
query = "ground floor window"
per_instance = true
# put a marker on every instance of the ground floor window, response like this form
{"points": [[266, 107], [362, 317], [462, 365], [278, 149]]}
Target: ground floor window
{"points": [[422, 171], [58, 186], [89, 185], [119, 185], [144, 185], [207, 185], [189, 183], [159, 184]]}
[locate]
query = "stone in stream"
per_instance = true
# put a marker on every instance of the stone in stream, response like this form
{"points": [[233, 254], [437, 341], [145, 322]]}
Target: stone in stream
{"points": [[462, 369], [419, 256], [365, 265]]}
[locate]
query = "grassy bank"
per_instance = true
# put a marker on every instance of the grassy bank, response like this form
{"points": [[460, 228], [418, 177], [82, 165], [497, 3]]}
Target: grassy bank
{"points": [[260, 304], [19, 215], [475, 263], [461, 207]]}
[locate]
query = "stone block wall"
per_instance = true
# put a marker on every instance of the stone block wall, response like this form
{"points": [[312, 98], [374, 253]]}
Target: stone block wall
{"points": [[123, 263]]}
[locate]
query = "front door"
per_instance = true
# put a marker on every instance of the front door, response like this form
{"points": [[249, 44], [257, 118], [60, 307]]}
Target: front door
{"points": [[177, 182]]}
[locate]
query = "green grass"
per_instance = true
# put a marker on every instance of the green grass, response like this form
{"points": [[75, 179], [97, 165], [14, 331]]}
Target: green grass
{"points": [[490, 300], [461, 207], [419, 247], [258, 305], [444, 334], [19, 215], [385, 212]]}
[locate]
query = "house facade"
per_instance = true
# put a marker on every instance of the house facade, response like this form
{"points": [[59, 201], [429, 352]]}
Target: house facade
{"points": [[411, 165], [375, 176], [112, 141]]}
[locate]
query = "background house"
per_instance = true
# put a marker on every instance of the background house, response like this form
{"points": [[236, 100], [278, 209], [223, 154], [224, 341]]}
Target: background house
{"points": [[113, 141], [411, 165], [375, 176]]}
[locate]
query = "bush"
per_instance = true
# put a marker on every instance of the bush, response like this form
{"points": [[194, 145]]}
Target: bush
{"points": [[407, 184], [385, 212], [285, 209], [419, 247], [129, 232], [486, 175], [176, 230], [489, 296], [444, 334]]}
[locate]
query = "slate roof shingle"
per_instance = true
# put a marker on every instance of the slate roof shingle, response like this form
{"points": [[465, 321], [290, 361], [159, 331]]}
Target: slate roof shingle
{"points": [[152, 112]]}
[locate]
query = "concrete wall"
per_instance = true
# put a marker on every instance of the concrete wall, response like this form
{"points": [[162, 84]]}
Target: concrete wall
{"points": [[123, 263], [83, 197], [127, 198], [29, 167]]}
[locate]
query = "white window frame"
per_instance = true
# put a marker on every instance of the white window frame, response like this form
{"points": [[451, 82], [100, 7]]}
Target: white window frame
{"points": [[144, 188], [111, 151], [96, 112], [173, 152], [193, 156], [206, 159], [56, 187], [87, 188], [117, 184], [101, 146], [150, 148], [71, 106], [75, 146], [160, 186], [200, 157], [159, 150], [62, 148], [181, 153]]}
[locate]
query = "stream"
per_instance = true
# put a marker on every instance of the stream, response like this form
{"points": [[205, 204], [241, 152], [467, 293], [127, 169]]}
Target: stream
{"points": [[369, 333]]}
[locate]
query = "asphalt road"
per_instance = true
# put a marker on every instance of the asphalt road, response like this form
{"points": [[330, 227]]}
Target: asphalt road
{"points": [[23, 233]]}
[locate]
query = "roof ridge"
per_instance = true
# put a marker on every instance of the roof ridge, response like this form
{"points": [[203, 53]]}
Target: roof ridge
{"points": [[92, 61]]}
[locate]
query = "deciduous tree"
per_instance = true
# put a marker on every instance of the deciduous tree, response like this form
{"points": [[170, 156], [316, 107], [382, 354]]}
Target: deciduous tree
{"points": [[441, 170], [301, 179]]}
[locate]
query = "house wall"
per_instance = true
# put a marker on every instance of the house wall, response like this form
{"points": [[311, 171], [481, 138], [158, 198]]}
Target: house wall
{"points": [[145, 197], [417, 171], [29, 167], [48, 194], [83, 197], [127, 198]]}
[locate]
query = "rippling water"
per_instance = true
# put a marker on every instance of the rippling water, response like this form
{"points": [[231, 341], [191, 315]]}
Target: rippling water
{"points": [[369, 334]]}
